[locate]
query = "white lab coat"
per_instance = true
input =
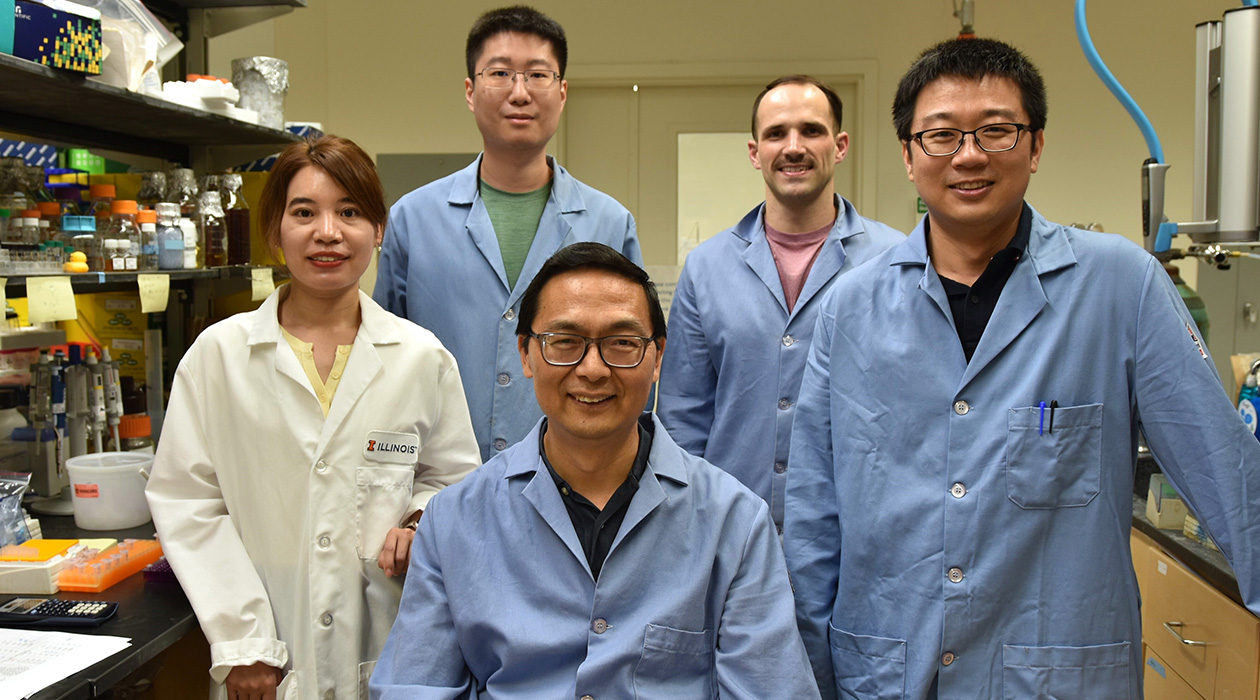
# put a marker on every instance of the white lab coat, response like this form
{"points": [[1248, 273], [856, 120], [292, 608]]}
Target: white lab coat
{"points": [[273, 516]]}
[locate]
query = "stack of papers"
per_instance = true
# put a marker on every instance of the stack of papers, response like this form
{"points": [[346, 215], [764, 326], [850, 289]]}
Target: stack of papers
{"points": [[33, 660]]}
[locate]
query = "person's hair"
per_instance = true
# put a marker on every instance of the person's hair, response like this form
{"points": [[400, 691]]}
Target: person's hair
{"points": [[345, 163], [589, 256], [837, 109], [520, 19], [974, 59]]}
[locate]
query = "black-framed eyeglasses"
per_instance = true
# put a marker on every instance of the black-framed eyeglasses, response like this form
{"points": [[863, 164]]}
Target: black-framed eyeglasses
{"points": [[568, 349], [504, 78], [991, 138]]}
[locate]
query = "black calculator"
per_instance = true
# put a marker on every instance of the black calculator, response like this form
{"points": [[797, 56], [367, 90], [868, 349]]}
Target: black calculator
{"points": [[53, 612]]}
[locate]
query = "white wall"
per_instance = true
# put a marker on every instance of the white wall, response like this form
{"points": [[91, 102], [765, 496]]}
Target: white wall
{"points": [[389, 74]]}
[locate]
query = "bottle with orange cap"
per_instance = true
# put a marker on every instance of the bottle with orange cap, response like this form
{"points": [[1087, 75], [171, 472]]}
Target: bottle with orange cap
{"points": [[147, 219], [135, 433], [49, 221], [123, 227], [102, 197]]}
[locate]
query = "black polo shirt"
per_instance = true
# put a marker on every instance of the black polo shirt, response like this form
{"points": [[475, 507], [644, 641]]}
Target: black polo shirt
{"points": [[596, 529], [973, 306]]}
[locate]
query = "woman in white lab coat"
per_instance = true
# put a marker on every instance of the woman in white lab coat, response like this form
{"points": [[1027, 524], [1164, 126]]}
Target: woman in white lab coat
{"points": [[301, 443]]}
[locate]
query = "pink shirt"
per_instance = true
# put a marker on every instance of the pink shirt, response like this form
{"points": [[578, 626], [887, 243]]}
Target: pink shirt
{"points": [[794, 255]]}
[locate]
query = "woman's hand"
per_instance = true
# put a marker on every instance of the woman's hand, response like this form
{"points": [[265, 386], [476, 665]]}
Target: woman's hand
{"points": [[397, 551], [256, 682]]}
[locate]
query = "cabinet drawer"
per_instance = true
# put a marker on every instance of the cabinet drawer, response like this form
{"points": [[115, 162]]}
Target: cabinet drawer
{"points": [[1162, 683], [1221, 661]]}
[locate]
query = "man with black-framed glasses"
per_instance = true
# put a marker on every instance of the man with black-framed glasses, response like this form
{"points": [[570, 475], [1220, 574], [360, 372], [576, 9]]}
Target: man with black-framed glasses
{"points": [[459, 252], [595, 558], [959, 498]]}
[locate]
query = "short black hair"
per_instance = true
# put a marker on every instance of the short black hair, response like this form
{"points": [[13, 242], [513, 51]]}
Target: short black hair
{"points": [[975, 59], [520, 19], [586, 256], [837, 109]]}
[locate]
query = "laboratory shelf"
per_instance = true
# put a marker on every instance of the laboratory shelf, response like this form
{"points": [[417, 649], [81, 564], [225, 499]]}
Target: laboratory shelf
{"points": [[84, 282], [51, 104]]}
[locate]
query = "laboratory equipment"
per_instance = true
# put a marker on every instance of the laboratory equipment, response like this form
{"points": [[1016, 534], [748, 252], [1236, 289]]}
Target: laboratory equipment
{"points": [[102, 197], [108, 489], [236, 212], [170, 238], [123, 227], [90, 572], [212, 229], [30, 613], [147, 218], [152, 189]]}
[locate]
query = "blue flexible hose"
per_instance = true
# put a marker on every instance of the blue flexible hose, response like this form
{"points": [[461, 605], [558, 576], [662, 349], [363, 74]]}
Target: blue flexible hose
{"points": [[1095, 61]]}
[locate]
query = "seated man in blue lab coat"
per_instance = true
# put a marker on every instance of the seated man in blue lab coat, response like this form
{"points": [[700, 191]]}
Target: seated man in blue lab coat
{"points": [[459, 252], [744, 310], [595, 558], [959, 499]]}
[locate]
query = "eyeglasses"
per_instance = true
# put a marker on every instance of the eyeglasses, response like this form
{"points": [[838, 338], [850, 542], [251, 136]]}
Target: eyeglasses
{"points": [[504, 78], [567, 349], [992, 138]]}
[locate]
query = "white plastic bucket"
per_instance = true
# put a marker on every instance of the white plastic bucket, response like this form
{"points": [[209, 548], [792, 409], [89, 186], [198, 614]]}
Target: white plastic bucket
{"points": [[108, 489]]}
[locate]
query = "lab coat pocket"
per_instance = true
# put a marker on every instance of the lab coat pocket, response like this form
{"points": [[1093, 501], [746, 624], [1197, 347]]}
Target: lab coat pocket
{"points": [[1054, 457], [288, 688], [675, 664], [381, 501], [866, 667], [1098, 672]]}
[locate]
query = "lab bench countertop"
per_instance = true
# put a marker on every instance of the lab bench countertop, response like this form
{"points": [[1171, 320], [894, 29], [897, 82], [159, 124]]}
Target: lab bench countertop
{"points": [[153, 615], [1209, 564]]}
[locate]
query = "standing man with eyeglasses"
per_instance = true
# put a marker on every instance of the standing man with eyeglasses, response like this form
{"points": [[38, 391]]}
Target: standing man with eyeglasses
{"points": [[744, 309], [960, 495], [460, 251], [595, 558]]}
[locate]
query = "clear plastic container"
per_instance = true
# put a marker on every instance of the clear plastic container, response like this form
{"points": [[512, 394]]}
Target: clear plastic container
{"points": [[212, 229], [148, 240], [170, 237], [123, 227], [102, 198], [237, 217]]}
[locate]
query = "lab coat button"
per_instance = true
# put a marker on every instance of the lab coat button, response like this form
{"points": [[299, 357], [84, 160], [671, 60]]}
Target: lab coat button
{"points": [[321, 466], [958, 490], [500, 444], [587, 697], [325, 541], [961, 408], [509, 315], [504, 379], [788, 341], [784, 404], [330, 695], [326, 619], [779, 467], [955, 575], [947, 658], [600, 626]]}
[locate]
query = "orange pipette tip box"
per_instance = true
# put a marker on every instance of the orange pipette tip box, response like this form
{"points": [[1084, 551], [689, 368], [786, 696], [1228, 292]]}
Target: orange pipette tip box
{"points": [[108, 567]]}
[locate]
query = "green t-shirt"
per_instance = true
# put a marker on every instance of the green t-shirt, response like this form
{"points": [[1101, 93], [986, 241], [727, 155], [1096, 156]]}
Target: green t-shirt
{"points": [[515, 218]]}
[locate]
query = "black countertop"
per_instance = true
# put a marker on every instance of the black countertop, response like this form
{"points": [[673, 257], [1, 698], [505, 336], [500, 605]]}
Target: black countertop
{"points": [[153, 615]]}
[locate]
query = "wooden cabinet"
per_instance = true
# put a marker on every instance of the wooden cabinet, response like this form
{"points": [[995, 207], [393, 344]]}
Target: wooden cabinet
{"points": [[1197, 635]]}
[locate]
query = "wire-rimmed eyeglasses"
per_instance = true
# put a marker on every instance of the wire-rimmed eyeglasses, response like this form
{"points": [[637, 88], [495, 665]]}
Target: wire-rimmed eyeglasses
{"points": [[991, 138], [568, 349], [504, 78]]}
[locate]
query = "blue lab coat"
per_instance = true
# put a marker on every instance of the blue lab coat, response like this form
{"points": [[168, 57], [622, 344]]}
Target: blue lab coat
{"points": [[692, 602], [936, 522], [440, 267], [733, 363]]}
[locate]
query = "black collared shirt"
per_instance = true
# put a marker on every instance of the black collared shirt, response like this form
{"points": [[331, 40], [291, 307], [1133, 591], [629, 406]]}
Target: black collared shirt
{"points": [[973, 306], [596, 529]]}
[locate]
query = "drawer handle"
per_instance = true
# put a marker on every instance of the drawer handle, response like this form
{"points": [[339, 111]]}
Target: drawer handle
{"points": [[1188, 642]]}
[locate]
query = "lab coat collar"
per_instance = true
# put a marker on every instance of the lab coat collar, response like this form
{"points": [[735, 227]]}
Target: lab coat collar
{"points": [[1048, 247], [465, 186], [664, 461], [760, 258], [376, 327]]}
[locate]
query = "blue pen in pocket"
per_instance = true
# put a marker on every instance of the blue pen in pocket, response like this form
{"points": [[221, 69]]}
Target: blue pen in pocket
{"points": [[1041, 422]]}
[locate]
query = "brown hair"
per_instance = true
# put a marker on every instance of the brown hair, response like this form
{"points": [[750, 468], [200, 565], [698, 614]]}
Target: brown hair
{"points": [[347, 164]]}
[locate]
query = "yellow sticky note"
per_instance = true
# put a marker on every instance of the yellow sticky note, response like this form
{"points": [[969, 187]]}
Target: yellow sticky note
{"points": [[263, 285], [50, 299], [3, 301], [155, 290]]}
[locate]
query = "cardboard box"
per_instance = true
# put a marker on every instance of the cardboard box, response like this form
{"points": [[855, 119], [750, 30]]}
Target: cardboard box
{"points": [[58, 34], [1163, 506]]}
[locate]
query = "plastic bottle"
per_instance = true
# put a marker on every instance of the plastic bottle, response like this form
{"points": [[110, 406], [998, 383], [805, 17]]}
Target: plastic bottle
{"points": [[135, 433], [123, 227], [1249, 402], [147, 219], [212, 229], [49, 220], [12, 454], [102, 197], [192, 243], [170, 238], [29, 233], [236, 213]]}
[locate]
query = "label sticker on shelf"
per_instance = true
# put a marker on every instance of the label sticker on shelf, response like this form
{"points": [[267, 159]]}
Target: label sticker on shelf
{"points": [[263, 285], [155, 291], [50, 299]]}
